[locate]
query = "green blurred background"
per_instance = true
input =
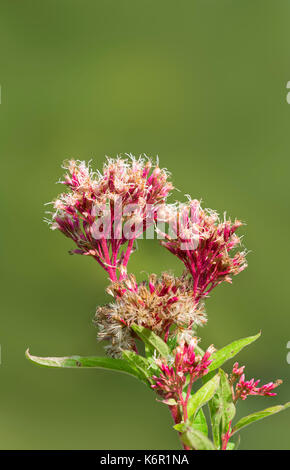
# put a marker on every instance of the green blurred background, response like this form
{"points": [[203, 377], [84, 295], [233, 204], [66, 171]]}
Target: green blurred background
{"points": [[203, 85]]}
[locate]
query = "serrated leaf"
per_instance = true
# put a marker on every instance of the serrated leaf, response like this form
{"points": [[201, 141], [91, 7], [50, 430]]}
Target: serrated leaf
{"points": [[259, 415], [80, 362], [222, 355], [202, 396], [222, 409], [153, 341], [196, 440]]}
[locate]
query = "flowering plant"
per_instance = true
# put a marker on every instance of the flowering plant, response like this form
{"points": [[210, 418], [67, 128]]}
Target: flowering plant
{"points": [[104, 213]]}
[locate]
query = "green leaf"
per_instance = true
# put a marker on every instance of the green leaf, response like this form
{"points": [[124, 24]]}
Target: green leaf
{"points": [[222, 409], [148, 351], [169, 402], [196, 440], [259, 415], [153, 341], [80, 362], [180, 426], [202, 396], [230, 446], [199, 423], [172, 342], [140, 363], [222, 355]]}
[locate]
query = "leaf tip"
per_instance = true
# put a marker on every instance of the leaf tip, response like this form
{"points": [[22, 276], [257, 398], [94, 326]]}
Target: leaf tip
{"points": [[27, 354]]}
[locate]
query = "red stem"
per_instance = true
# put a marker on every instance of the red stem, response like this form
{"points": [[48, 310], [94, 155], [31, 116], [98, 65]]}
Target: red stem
{"points": [[226, 437], [177, 418], [126, 257]]}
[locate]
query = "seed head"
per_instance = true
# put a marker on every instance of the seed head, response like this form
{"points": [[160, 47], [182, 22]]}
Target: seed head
{"points": [[157, 304]]}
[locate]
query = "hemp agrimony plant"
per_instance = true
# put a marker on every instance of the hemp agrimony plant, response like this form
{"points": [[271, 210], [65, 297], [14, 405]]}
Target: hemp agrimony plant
{"points": [[104, 213]]}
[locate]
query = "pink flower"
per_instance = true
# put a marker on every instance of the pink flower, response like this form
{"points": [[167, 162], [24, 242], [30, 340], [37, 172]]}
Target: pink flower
{"points": [[237, 371], [187, 362], [169, 383], [103, 212], [244, 388], [203, 243], [172, 379]]}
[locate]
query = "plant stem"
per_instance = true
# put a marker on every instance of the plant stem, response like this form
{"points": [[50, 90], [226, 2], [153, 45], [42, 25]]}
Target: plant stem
{"points": [[177, 418]]}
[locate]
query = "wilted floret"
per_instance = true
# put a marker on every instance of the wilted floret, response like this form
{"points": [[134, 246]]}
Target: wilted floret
{"points": [[164, 305]]}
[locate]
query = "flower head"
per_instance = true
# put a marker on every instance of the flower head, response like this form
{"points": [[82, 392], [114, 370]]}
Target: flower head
{"points": [[244, 388], [237, 371], [158, 304], [204, 244], [172, 378], [101, 212]]}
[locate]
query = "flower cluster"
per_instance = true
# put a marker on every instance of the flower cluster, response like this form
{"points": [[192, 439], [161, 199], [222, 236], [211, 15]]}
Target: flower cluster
{"points": [[102, 212], [244, 388], [164, 305], [203, 243], [173, 378], [92, 214]]}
